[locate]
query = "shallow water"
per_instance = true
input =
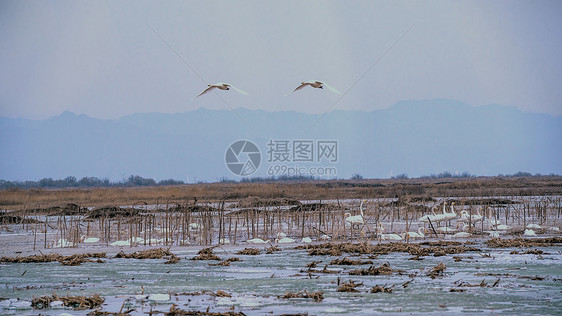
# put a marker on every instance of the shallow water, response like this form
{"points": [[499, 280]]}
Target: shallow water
{"points": [[256, 283]]}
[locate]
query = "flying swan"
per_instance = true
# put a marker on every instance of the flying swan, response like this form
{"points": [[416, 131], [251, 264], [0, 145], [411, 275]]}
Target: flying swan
{"points": [[315, 84], [220, 86]]}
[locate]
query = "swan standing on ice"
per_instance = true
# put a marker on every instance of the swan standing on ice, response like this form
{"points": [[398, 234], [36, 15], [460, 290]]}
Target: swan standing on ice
{"points": [[357, 219], [449, 216], [315, 84], [466, 217], [220, 86]]}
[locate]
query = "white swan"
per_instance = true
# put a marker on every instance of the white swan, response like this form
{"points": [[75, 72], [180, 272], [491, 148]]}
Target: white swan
{"points": [[414, 235], [285, 240], [466, 217], [220, 86], [461, 235], [120, 243], [451, 215], [431, 217], [62, 243], [384, 236], [89, 240], [315, 84], [257, 241], [357, 219], [529, 232], [437, 218], [502, 227]]}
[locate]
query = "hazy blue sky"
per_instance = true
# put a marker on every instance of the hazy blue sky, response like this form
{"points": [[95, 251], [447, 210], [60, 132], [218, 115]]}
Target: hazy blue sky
{"points": [[102, 59]]}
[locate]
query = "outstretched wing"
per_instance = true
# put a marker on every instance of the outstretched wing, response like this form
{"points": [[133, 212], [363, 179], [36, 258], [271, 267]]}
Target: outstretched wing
{"points": [[205, 91], [304, 84], [239, 91], [331, 88]]}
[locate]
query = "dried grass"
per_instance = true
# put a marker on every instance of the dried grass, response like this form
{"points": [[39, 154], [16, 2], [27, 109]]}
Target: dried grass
{"points": [[157, 253], [249, 252], [76, 302], [316, 296]]}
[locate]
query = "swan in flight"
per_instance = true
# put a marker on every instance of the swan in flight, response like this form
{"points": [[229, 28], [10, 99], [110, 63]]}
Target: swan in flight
{"points": [[315, 84], [357, 219], [220, 86]]}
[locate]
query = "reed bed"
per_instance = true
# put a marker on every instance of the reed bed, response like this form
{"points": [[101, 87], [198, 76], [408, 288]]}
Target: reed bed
{"points": [[178, 220]]}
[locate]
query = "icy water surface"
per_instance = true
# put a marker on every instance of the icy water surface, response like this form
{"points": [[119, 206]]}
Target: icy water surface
{"points": [[528, 284]]}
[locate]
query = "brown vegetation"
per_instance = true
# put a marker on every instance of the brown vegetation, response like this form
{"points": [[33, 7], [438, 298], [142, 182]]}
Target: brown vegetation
{"points": [[249, 252], [437, 271], [381, 289], [310, 190], [76, 302], [206, 254], [349, 286], [316, 296], [384, 269], [521, 242], [348, 262], [75, 259], [157, 253]]}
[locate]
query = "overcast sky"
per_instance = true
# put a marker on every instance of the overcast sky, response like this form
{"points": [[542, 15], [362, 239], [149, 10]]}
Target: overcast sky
{"points": [[102, 58]]}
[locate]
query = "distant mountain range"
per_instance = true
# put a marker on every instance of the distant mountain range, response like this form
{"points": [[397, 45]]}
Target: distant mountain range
{"points": [[412, 137]]}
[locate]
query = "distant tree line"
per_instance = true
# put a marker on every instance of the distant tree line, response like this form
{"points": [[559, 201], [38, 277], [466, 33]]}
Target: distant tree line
{"points": [[134, 180], [85, 182], [466, 174]]}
